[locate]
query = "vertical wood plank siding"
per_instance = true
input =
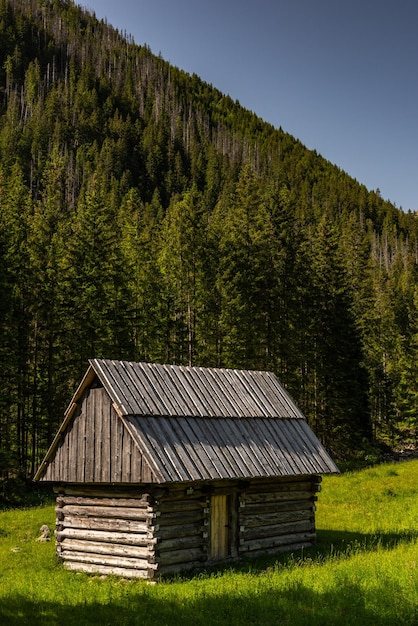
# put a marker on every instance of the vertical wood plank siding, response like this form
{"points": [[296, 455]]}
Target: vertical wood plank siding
{"points": [[97, 448]]}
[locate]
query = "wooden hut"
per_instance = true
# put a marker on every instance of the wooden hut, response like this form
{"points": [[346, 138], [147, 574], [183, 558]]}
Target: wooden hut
{"points": [[163, 468]]}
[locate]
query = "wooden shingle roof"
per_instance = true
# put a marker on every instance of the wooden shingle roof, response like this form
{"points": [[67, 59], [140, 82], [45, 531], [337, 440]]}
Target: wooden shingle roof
{"points": [[175, 390], [204, 423], [194, 423]]}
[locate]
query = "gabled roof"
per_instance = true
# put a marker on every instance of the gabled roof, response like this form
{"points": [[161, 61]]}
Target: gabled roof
{"points": [[181, 391], [194, 423]]}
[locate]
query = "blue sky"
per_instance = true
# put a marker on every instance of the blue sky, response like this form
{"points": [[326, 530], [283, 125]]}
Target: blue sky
{"points": [[342, 77]]}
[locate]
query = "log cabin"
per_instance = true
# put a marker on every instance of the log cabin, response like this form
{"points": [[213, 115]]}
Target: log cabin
{"points": [[159, 469]]}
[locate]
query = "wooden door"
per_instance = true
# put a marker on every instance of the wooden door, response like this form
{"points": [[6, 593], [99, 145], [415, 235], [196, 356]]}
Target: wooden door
{"points": [[219, 527]]}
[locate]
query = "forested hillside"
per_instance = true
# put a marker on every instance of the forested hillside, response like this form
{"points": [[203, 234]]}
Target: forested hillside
{"points": [[147, 216]]}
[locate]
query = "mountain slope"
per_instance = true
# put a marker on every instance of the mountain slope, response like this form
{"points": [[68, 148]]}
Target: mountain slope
{"points": [[146, 215]]}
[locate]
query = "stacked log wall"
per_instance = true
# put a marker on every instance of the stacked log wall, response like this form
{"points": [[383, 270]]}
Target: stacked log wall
{"points": [[277, 515], [151, 531], [106, 533], [181, 530]]}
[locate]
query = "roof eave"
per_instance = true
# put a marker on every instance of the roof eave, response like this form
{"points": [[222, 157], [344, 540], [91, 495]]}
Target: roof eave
{"points": [[85, 383]]}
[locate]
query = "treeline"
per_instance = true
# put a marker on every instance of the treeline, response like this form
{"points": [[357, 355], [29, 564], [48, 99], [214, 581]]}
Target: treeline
{"points": [[147, 216]]}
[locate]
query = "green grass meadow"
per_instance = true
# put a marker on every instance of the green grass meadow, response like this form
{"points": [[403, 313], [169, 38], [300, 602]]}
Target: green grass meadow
{"points": [[363, 570]]}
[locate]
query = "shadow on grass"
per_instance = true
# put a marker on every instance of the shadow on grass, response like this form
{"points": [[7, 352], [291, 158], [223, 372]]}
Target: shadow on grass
{"points": [[330, 544], [297, 606], [232, 604]]}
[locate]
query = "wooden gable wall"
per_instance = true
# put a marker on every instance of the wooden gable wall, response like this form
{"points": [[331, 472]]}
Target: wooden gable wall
{"points": [[96, 447]]}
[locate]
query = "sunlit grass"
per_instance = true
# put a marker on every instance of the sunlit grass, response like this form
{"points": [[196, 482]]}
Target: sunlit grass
{"points": [[364, 570], [381, 499]]}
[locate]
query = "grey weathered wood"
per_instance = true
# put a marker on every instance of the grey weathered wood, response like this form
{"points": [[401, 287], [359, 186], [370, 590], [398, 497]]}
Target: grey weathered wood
{"points": [[275, 464], [114, 561], [108, 416], [170, 526], [90, 451], [105, 536], [277, 507], [79, 445], [115, 451], [298, 445], [219, 466], [100, 523], [289, 483], [188, 555], [98, 460], [260, 519], [100, 491], [183, 458], [126, 454], [276, 530], [280, 497], [141, 375], [186, 504], [179, 517], [106, 548], [178, 531], [277, 433], [126, 378], [219, 402], [105, 511], [88, 456], [265, 431], [179, 543], [277, 549], [237, 455], [248, 393], [189, 399], [95, 568], [260, 488], [204, 462], [140, 503], [271, 543]]}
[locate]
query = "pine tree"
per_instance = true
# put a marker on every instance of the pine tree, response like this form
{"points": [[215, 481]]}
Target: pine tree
{"points": [[182, 259], [95, 283], [246, 247], [46, 242], [337, 381], [140, 227], [15, 369]]}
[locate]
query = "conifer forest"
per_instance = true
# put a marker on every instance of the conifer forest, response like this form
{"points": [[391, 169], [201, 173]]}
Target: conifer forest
{"points": [[145, 215]]}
